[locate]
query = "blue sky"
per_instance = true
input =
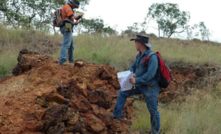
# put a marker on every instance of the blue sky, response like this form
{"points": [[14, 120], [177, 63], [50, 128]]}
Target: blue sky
{"points": [[124, 13]]}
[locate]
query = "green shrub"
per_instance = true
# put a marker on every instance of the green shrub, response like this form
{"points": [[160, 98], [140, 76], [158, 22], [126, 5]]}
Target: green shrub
{"points": [[196, 40], [152, 35], [3, 71]]}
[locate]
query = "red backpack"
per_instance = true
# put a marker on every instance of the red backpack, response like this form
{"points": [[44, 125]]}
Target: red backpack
{"points": [[164, 74]]}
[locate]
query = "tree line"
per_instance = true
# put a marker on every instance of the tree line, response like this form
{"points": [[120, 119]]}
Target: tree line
{"points": [[170, 21], [37, 14]]}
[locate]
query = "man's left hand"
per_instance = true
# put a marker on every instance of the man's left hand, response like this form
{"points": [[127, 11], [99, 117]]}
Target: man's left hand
{"points": [[132, 80]]}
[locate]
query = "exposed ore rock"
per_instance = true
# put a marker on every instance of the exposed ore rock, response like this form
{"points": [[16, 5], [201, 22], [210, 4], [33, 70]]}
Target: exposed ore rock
{"points": [[75, 99]]}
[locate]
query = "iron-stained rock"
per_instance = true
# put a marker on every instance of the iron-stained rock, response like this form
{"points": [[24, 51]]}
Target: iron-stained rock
{"points": [[54, 115], [101, 98], [57, 129]]}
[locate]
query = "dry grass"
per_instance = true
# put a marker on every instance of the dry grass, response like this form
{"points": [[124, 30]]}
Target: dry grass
{"points": [[198, 115], [195, 52], [12, 41], [120, 52]]}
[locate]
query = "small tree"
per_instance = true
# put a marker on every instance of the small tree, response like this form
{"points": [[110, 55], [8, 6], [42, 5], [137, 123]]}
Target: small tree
{"points": [[205, 32], [196, 29], [93, 25], [109, 30], [190, 31], [96, 25], [169, 18], [143, 27], [135, 28]]}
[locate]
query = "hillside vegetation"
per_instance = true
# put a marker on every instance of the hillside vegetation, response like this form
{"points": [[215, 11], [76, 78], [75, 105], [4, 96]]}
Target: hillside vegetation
{"points": [[198, 114], [119, 52], [12, 41], [115, 51]]}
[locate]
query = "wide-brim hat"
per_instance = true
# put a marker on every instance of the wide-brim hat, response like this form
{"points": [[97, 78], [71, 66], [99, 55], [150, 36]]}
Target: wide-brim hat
{"points": [[143, 39]]}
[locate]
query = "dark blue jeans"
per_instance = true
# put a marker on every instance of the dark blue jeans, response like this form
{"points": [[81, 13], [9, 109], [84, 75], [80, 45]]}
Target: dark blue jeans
{"points": [[68, 44], [150, 100]]}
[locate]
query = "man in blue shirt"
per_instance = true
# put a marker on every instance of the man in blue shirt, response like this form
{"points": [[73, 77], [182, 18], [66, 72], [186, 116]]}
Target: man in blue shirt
{"points": [[145, 81]]}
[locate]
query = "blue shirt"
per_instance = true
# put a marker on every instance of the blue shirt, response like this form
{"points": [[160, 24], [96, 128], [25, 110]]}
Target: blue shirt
{"points": [[146, 75]]}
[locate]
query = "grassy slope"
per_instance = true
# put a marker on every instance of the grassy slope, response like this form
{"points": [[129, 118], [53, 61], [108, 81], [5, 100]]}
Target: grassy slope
{"points": [[120, 52], [172, 49], [191, 117], [115, 51], [12, 41], [198, 115]]}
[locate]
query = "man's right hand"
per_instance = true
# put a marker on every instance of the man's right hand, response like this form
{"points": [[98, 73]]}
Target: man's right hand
{"points": [[134, 75], [79, 15]]}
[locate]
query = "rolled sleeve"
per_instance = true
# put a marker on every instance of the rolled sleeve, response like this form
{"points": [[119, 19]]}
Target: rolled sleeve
{"points": [[70, 16], [69, 13]]}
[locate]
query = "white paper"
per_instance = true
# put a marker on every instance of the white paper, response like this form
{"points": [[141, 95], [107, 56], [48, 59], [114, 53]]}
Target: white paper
{"points": [[123, 78]]}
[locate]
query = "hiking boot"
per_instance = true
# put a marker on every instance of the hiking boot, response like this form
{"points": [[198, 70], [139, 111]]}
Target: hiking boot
{"points": [[111, 116], [65, 64], [155, 133], [71, 63], [127, 122]]}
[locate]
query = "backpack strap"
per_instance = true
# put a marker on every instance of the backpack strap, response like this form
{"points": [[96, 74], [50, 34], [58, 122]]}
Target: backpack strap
{"points": [[146, 60], [150, 54]]}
